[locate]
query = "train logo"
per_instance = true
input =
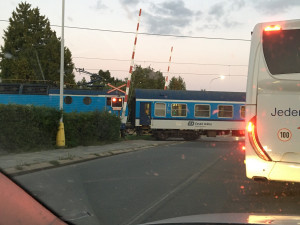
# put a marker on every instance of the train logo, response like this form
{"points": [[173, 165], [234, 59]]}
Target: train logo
{"points": [[191, 123]]}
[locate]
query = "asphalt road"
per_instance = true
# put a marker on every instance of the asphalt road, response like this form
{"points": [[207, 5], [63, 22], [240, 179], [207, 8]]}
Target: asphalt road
{"points": [[158, 183]]}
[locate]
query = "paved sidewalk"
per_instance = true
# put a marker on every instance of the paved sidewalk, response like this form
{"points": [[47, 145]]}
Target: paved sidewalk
{"points": [[20, 163]]}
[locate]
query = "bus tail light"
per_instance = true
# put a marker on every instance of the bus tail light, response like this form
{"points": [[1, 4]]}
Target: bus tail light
{"points": [[256, 145], [273, 28]]}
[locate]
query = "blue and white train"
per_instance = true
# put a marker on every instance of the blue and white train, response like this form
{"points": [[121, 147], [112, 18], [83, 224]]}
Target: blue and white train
{"points": [[165, 113], [188, 114]]}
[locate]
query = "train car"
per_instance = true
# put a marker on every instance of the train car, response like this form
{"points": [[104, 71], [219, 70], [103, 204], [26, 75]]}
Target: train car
{"points": [[188, 114], [75, 100]]}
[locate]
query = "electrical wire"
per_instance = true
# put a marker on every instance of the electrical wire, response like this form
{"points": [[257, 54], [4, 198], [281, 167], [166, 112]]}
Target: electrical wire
{"points": [[149, 34], [150, 61], [153, 34], [182, 73]]}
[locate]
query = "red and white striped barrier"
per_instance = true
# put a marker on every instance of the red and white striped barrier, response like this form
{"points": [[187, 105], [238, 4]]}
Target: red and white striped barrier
{"points": [[167, 76], [124, 117]]}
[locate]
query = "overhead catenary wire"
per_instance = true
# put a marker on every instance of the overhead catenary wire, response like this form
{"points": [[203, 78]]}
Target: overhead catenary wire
{"points": [[185, 73], [146, 33], [157, 34], [151, 61], [162, 62], [152, 34]]}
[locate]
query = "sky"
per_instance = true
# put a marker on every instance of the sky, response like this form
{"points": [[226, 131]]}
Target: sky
{"points": [[210, 39]]}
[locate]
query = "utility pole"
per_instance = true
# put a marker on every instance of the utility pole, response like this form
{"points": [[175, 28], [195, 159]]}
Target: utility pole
{"points": [[60, 138]]}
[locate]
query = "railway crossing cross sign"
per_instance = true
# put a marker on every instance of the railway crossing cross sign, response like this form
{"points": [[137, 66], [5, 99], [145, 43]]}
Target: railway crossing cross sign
{"points": [[116, 88]]}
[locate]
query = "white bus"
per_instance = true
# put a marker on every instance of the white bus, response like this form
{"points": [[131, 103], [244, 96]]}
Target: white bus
{"points": [[273, 103]]}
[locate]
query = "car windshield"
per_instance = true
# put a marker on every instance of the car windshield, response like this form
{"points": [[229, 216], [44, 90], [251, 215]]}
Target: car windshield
{"points": [[131, 111]]}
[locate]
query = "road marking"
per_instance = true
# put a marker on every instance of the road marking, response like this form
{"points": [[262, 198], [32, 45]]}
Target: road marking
{"points": [[158, 202]]}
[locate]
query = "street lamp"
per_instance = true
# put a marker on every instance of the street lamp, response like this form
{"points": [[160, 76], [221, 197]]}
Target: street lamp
{"points": [[220, 77]]}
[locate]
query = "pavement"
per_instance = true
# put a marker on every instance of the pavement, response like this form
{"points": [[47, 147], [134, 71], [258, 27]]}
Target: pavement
{"points": [[21, 163]]}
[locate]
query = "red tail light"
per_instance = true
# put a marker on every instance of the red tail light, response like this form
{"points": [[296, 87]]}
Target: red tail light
{"points": [[273, 27], [252, 133]]}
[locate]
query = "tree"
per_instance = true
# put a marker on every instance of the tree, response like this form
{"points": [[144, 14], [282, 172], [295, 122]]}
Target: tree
{"points": [[31, 49], [100, 80], [105, 75], [107, 78], [82, 82], [177, 84], [146, 78]]}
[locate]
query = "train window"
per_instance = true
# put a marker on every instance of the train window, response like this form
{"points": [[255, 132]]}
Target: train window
{"points": [[68, 100], [242, 111], [225, 111], [179, 109], [87, 100], [108, 101], [160, 109], [202, 110], [147, 108]]}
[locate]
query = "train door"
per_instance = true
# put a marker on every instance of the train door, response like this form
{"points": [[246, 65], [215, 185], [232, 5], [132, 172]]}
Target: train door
{"points": [[145, 113]]}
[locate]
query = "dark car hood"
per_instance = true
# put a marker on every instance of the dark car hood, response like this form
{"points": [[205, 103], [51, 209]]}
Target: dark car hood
{"points": [[232, 218]]}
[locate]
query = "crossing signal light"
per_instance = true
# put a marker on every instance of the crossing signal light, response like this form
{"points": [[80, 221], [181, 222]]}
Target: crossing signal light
{"points": [[117, 102]]}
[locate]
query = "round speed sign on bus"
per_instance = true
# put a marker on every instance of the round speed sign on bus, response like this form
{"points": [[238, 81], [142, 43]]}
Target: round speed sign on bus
{"points": [[284, 134]]}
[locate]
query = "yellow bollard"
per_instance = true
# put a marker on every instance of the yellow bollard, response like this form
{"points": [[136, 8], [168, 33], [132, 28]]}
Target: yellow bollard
{"points": [[60, 138]]}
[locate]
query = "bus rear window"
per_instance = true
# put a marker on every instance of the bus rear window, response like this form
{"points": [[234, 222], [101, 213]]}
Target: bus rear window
{"points": [[282, 51]]}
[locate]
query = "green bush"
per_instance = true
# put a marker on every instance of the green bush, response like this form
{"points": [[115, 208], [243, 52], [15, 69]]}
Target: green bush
{"points": [[90, 128], [25, 128]]}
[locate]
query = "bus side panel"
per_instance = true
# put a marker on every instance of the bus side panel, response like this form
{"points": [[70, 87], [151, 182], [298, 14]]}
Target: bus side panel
{"points": [[253, 68]]}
